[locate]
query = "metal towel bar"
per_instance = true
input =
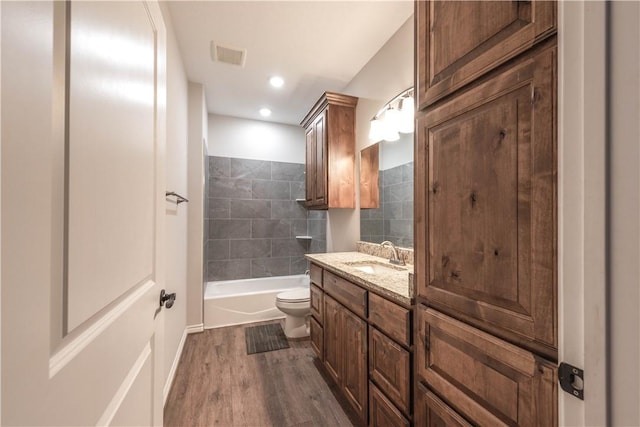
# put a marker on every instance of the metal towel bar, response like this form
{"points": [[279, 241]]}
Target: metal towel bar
{"points": [[179, 198]]}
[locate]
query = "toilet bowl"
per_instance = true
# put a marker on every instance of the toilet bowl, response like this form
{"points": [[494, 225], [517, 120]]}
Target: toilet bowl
{"points": [[296, 305]]}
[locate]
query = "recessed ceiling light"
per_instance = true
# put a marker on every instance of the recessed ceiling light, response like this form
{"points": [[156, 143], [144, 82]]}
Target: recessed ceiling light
{"points": [[265, 112], [276, 81]]}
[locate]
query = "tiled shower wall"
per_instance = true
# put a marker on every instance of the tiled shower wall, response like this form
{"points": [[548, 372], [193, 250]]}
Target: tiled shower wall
{"points": [[253, 219], [393, 220]]}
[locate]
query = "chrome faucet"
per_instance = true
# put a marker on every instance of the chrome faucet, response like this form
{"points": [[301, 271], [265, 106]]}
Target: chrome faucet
{"points": [[394, 254]]}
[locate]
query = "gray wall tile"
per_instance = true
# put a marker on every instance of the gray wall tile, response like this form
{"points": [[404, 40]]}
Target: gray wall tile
{"points": [[299, 265], [241, 208], [392, 210], [229, 270], [289, 247], [229, 228], [282, 209], [230, 188], [250, 248], [299, 227], [262, 189], [219, 167], [250, 169], [268, 267], [392, 176], [297, 190], [398, 192], [217, 249], [270, 228], [287, 171], [218, 208]]}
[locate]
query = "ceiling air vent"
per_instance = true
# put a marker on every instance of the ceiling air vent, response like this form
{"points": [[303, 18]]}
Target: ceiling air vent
{"points": [[228, 55]]}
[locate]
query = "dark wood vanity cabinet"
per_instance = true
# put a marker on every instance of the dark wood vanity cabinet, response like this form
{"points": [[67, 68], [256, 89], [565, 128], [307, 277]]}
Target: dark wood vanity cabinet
{"points": [[459, 41], [486, 213], [330, 152], [366, 348]]}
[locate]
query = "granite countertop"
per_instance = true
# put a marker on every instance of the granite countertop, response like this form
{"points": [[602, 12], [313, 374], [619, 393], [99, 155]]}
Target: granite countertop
{"points": [[394, 283]]}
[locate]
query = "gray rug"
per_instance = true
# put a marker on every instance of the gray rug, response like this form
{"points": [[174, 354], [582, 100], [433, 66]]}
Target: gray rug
{"points": [[265, 338]]}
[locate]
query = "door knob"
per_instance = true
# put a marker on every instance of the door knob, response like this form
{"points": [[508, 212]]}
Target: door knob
{"points": [[166, 299]]}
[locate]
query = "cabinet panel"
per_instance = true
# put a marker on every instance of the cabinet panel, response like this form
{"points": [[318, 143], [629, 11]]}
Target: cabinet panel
{"points": [[369, 177], [317, 303], [354, 335], [433, 412], [485, 35], [315, 274], [310, 165], [382, 413], [332, 338], [390, 318], [488, 380], [320, 175], [352, 296], [487, 215], [317, 338], [389, 368]]}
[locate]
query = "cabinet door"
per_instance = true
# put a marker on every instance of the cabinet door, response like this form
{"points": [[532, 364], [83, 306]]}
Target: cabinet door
{"points": [[316, 302], [485, 35], [486, 379], [486, 227], [320, 161], [433, 412], [354, 345], [317, 338], [382, 413], [389, 367], [332, 335], [310, 165]]}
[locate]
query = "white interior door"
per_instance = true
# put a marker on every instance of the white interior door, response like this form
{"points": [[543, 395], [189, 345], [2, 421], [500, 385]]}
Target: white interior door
{"points": [[83, 113]]}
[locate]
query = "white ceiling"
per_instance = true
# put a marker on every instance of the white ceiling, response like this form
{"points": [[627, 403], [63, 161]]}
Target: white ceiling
{"points": [[314, 46]]}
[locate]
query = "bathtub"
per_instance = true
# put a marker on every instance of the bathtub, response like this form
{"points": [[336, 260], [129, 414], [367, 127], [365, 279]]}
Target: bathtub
{"points": [[234, 302]]}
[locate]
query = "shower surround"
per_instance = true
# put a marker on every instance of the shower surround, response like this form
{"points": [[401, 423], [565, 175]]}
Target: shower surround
{"points": [[253, 219]]}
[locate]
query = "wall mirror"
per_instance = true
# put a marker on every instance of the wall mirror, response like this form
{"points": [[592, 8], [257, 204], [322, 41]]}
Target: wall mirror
{"points": [[386, 181]]}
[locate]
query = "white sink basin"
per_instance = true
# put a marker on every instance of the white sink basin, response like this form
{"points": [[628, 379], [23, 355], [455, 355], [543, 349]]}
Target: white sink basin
{"points": [[372, 267]]}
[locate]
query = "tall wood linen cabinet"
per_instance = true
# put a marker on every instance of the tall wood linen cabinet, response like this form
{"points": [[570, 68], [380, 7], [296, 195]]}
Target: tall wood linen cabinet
{"points": [[485, 213]]}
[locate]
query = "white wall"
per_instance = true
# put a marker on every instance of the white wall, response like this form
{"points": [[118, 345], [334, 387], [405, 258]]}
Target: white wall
{"points": [[396, 153], [389, 72], [176, 216], [255, 139], [197, 136]]}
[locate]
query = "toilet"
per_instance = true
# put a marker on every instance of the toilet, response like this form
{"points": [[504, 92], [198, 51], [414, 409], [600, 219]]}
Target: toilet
{"points": [[296, 305]]}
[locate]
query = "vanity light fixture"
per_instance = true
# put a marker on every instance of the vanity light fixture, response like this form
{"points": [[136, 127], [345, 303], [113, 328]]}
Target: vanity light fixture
{"points": [[396, 116]]}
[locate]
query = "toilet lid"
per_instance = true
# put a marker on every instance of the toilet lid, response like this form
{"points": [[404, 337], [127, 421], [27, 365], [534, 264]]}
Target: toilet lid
{"points": [[297, 295]]}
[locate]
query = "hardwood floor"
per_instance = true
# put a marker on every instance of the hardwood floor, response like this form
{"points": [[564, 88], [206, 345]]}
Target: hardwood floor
{"points": [[218, 384]]}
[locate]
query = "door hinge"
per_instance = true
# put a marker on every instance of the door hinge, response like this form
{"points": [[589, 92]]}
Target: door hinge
{"points": [[571, 380]]}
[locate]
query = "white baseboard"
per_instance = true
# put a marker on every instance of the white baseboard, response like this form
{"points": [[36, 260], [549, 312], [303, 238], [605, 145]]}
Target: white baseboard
{"points": [[192, 329]]}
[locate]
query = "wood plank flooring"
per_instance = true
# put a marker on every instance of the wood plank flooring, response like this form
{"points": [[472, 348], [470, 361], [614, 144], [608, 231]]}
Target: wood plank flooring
{"points": [[218, 384]]}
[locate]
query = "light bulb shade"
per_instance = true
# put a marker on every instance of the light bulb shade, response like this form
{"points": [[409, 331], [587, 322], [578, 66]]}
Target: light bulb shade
{"points": [[392, 118], [408, 104], [405, 122], [376, 131]]}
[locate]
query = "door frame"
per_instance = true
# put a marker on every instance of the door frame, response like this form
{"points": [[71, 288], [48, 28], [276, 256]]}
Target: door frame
{"points": [[582, 127]]}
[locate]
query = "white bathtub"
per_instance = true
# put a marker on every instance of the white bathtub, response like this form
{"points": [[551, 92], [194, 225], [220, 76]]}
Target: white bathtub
{"points": [[234, 302]]}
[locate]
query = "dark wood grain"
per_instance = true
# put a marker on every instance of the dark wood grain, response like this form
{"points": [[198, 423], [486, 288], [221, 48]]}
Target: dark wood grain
{"points": [[354, 353], [317, 303], [310, 165], [459, 41], [433, 412], [485, 379], [333, 353], [382, 413], [490, 171], [315, 273], [350, 295], [369, 173], [317, 338], [389, 317], [390, 368], [218, 384]]}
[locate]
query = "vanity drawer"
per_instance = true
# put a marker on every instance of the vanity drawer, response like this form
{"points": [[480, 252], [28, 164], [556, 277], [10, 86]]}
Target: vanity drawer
{"points": [[391, 318], [315, 273], [488, 380], [431, 411], [382, 413], [345, 292], [317, 303], [317, 338], [389, 368]]}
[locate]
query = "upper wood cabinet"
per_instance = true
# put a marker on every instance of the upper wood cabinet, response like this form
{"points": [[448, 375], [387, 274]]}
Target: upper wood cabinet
{"points": [[458, 41], [486, 214], [369, 177], [330, 158]]}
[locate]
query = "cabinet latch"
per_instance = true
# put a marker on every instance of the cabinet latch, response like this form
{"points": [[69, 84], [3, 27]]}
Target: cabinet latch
{"points": [[571, 380]]}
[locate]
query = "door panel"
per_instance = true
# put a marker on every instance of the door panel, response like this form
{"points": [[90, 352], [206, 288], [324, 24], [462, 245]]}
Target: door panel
{"points": [[332, 333], [310, 165], [389, 367], [488, 380], [488, 156], [485, 35], [354, 333], [431, 411], [320, 188], [91, 355]]}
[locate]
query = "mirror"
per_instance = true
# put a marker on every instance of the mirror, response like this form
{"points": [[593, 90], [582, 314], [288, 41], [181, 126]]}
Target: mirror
{"points": [[386, 192]]}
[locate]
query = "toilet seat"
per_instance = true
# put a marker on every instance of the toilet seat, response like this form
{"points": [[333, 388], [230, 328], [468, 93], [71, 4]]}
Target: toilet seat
{"points": [[297, 295]]}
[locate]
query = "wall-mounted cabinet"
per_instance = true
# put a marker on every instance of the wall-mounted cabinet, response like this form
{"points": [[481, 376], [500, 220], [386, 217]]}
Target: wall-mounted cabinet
{"points": [[330, 158]]}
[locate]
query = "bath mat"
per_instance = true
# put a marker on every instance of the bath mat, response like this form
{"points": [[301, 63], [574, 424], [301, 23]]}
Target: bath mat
{"points": [[265, 338]]}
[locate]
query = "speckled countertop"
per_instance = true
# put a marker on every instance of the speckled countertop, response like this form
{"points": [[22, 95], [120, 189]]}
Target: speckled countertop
{"points": [[394, 284]]}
